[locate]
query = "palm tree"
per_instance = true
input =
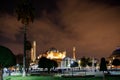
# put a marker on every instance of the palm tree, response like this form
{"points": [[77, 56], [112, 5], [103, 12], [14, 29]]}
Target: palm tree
{"points": [[25, 14]]}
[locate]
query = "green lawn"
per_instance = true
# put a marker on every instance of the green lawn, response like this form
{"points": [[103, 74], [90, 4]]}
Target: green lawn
{"points": [[56, 78]]}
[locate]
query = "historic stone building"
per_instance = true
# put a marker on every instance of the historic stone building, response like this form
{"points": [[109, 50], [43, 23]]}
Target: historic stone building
{"points": [[115, 55]]}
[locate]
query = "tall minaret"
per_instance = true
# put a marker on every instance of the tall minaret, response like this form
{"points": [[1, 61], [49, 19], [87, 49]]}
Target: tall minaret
{"points": [[33, 51], [74, 51]]}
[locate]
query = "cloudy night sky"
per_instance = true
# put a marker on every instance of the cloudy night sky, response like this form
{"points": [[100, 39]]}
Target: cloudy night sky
{"points": [[92, 26]]}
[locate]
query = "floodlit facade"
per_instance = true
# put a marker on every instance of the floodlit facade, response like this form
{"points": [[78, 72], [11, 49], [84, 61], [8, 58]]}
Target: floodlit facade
{"points": [[56, 55], [53, 53]]}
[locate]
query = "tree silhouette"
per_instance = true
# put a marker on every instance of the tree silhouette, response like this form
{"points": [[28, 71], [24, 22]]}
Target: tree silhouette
{"points": [[55, 64], [89, 62], [25, 14], [116, 62], [103, 66], [7, 58], [42, 62], [83, 62], [47, 63]]}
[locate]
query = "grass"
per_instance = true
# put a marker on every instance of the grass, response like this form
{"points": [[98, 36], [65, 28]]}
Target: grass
{"points": [[58, 78]]}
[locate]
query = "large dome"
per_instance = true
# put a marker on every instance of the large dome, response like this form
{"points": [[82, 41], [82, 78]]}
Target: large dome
{"points": [[116, 52], [53, 49]]}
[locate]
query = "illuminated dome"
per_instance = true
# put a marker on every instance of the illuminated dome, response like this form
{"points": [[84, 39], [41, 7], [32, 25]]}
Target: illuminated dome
{"points": [[53, 53], [52, 49], [116, 52], [115, 55]]}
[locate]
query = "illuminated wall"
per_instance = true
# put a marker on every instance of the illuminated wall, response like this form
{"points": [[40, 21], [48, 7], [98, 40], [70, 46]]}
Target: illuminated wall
{"points": [[56, 55]]}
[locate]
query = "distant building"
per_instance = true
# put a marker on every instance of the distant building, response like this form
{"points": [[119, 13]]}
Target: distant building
{"points": [[66, 62], [54, 54], [115, 55]]}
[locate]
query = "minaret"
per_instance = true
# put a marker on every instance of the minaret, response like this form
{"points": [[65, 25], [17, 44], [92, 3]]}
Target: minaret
{"points": [[33, 52], [74, 51]]}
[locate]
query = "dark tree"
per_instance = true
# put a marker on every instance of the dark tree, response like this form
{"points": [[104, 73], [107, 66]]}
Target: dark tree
{"points": [[89, 62], [103, 66], [25, 11], [7, 58], [116, 62], [42, 62], [47, 63], [83, 62], [50, 65], [55, 64], [25, 14]]}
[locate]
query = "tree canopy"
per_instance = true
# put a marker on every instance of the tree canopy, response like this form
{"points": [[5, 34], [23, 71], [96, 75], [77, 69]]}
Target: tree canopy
{"points": [[47, 63], [25, 12], [7, 58], [103, 66], [87, 61], [116, 62]]}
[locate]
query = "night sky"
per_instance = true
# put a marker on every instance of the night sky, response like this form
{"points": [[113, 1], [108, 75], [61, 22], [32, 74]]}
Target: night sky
{"points": [[92, 26]]}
